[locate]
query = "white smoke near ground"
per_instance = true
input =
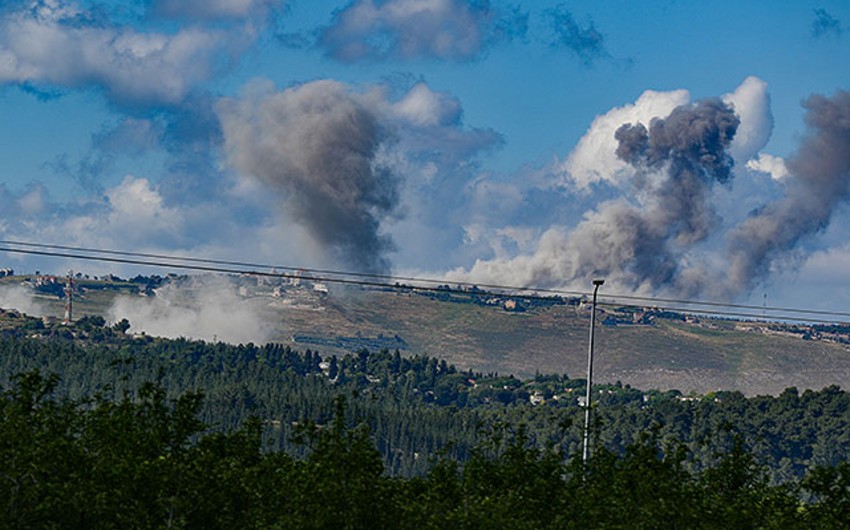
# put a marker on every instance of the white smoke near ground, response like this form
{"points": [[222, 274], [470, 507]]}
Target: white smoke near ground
{"points": [[20, 298], [203, 307]]}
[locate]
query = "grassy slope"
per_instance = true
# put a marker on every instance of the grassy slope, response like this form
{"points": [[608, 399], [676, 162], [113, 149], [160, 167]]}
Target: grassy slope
{"points": [[670, 354]]}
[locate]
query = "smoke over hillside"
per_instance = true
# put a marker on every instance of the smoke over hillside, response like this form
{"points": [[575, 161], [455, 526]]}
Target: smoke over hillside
{"points": [[20, 298], [206, 307], [664, 234], [316, 144], [639, 241], [819, 182]]}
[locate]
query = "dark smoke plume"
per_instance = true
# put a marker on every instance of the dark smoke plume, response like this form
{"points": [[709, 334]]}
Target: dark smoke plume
{"points": [[317, 143], [690, 145], [678, 159], [820, 181]]}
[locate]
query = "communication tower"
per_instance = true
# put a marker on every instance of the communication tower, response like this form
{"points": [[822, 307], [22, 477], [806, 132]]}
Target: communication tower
{"points": [[69, 297]]}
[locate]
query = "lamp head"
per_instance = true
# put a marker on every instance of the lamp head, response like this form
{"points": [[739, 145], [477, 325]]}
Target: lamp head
{"points": [[598, 282]]}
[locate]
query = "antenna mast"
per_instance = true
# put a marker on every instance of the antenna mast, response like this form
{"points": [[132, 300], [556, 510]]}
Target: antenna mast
{"points": [[69, 297]]}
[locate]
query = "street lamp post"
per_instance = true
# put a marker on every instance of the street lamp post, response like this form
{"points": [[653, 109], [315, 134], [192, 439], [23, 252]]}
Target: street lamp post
{"points": [[584, 450]]}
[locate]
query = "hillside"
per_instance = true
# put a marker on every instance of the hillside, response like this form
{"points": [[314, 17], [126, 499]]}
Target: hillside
{"points": [[476, 332]]}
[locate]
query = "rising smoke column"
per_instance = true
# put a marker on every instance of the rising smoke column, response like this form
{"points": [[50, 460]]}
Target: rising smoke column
{"points": [[639, 243], [677, 159], [689, 146], [316, 144], [819, 182]]}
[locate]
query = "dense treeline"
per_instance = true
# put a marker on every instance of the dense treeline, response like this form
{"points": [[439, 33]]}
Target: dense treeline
{"points": [[146, 461], [418, 407]]}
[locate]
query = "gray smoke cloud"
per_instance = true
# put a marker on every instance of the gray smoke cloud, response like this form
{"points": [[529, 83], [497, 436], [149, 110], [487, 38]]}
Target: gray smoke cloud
{"points": [[317, 144], [690, 147], [640, 244], [678, 159], [820, 181]]}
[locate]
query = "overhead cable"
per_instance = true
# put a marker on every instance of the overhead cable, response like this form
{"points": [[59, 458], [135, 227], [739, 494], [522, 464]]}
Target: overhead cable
{"points": [[392, 281]]}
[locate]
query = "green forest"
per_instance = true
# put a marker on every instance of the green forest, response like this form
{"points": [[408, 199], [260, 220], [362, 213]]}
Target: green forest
{"points": [[103, 429]]}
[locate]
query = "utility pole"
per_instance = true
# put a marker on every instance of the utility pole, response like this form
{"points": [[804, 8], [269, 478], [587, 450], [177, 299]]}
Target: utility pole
{"points": [[584, 450]]}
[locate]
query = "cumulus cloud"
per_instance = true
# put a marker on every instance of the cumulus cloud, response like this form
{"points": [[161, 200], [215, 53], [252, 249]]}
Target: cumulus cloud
{"points": [[57, 44], [425, 107], [404, 29], [203, 307], [594, 159], [772, 165], [436, 155], [138, 213], [131, 214], [428, 127], [751, 102], [22, 208]]}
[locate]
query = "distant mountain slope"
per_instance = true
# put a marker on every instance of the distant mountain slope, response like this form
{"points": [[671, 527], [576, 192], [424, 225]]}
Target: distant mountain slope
{"points": [[475, 331]]}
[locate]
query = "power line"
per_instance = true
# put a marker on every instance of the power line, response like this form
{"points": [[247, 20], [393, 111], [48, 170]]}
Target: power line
{"points": [[374, 280], [286, 275], [709, 312]]}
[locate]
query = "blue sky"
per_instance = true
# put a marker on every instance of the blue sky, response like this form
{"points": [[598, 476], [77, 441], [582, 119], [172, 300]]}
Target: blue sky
{"points": [[473, 140]]}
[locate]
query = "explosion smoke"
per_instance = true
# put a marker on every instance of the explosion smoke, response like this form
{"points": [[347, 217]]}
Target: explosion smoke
{"points": [[819, 182], [639, 244], [316, 143], [678, 159]]}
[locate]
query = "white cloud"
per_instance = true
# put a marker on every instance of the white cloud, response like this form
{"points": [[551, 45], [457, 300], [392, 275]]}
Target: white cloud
{"points": [[594, 158], [55, 45], [752, 105], [445, 29], [772, 165], [425, 107], [138, 213], [34, 201]]}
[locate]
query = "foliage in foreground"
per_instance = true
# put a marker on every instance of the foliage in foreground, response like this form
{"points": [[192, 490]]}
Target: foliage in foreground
{"points": [[417, 407], [144, 461]]}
